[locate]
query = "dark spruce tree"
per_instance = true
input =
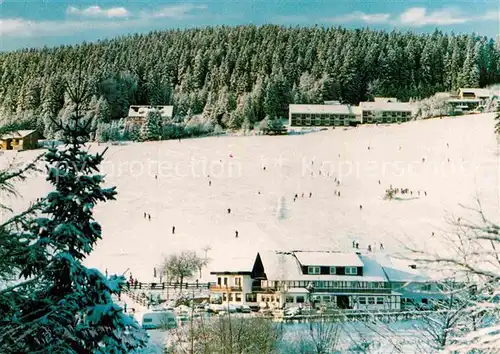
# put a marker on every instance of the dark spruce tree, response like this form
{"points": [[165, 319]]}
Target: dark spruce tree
{"points": [[61, 306]]}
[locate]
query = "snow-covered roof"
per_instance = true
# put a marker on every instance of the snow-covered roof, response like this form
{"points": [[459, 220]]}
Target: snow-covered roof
{"points": [[478, 92], [142, 111], [285, 266], [386, 106], [400, 270], [321, 108], [385, 99], [325, 258], [243, 264], [19, 134]]}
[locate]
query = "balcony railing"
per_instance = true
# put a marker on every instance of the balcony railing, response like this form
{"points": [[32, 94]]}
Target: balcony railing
{"points": [[225, 288], [327, 290]]}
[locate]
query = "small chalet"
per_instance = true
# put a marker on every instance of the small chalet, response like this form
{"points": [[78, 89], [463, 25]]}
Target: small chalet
{"points": [[138, 114], [19, 140], [236, 277]]}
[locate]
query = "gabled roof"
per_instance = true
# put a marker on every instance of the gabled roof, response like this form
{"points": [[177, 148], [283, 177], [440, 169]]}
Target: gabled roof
{"points": [[386, 106], [325, 258], [321, 108], [19, 134], [284, 266], [400, 270], [243, 264]]}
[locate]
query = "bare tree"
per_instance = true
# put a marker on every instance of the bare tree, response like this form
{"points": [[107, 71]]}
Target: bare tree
{"points": [[248, 335], [181, 266], [473, 253]]}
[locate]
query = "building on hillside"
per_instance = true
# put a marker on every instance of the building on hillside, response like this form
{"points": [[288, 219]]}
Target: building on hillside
{"points": [[20, 140], [417, 289], [386, 112], [481, 94], [321, 115], [138, 114], [325, 279], [472, 100], [303, 278], [236, 278], [463, 105]]}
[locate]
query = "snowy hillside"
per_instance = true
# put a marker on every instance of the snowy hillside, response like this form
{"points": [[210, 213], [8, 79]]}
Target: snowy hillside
{"points": [[358, 157]]}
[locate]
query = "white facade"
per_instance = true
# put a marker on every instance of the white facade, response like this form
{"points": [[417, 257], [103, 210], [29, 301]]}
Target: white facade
{"points": [[306, 115], [233, 288], [386, 112]]}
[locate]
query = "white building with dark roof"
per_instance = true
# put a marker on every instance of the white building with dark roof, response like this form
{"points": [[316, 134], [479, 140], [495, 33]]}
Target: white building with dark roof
{"points": [[321, 115], [386, 111], [302, 278]]}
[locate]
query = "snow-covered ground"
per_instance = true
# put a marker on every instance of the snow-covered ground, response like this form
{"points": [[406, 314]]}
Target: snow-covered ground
{"points": [[359, 157]]}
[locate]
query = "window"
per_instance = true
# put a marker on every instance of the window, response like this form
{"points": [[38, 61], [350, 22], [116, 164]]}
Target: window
{"points": [[326, 298], [230, 296], [224, 297], [333, 270], [351, 270], [380, 300], [237, 297], [225, 281], [147, 320], [313, 270], [289, 299], [219, 281], [362, 300], [319, 284], [371, 301], [251, 297], [237, 282], [300, 299]]}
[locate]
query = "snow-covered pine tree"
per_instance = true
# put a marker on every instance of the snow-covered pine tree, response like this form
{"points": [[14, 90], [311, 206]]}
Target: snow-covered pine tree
{"points": [[61, 306], [151, 128]]}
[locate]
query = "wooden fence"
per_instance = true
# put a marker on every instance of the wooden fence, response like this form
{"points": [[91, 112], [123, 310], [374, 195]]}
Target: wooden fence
{"points": [[165, 286]]}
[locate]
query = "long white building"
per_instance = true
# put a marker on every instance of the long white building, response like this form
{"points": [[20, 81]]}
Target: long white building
{"points": [[310, 115], [386, 112], [340, 280]]}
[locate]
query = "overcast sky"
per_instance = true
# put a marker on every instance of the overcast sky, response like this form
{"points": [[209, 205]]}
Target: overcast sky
{"points": [[37, 23]]}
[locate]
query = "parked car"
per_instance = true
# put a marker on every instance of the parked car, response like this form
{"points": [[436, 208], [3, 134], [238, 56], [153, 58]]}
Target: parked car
{"points": [[292, 311], [157, 319], [246, 309]]}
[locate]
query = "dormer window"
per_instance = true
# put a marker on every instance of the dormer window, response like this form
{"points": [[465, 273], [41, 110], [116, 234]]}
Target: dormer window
{"points": [[313, 270], [333, 270], [351, 270]]}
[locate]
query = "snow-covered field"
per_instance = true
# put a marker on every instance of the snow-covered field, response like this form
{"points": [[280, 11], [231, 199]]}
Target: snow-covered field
{"points": [[359, 157]]}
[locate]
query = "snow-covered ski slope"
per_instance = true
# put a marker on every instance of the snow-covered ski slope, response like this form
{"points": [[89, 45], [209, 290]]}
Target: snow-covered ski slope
{"points": [[358, 157]]}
